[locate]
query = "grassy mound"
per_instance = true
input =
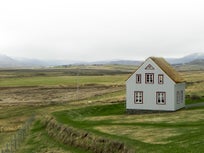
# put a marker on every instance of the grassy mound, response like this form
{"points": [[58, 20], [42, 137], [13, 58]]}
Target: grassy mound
{"points": [[83, 139]]}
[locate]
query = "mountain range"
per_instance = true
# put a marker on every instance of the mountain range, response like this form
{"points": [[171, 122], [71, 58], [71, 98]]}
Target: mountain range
{"points": [[8, 62]]}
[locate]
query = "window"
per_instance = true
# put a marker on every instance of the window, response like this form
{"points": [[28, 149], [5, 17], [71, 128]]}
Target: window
{"points": [[160, 79], [161, 98], [138, 97], [138, 78], [149, 78], [177, 97], [181, 96], [149, 67]]}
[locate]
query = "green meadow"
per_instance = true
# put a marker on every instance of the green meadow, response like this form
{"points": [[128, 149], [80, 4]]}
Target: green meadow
{"points": [[178, 132], [64, 80]]}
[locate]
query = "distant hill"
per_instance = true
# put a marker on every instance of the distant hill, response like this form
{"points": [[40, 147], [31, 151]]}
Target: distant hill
{"points": [[125, 62], [8, 62], [197, 62], [186, 59], [183, 60], [115, 62]]}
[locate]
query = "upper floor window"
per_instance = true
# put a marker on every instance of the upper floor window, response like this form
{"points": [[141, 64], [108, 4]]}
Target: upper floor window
{"points": [[160, 79], [138, 78], [149, 78], [161, 98], [138, 97]]}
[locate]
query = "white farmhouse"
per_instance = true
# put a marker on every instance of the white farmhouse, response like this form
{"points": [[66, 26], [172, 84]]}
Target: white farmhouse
{"points": [[155, 86]]}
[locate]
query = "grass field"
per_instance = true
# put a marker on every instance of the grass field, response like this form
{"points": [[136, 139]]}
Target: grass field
{"points": [[87, 101], [40, 142], [180, 132]]}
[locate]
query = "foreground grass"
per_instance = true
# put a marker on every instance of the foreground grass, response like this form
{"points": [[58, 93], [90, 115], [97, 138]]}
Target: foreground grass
{"points": [[39, 141], [11, 119], [180, 131]]}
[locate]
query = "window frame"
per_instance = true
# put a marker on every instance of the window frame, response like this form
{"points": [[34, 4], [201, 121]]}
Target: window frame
{"points": [[139, 76], [162, 76], [149, 67], [178, 97], [182, 94], [135, 97], [163, 96], [146, 76]]}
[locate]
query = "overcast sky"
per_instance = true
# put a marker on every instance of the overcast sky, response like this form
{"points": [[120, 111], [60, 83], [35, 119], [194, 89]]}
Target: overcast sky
{"points": [[91, 30]]}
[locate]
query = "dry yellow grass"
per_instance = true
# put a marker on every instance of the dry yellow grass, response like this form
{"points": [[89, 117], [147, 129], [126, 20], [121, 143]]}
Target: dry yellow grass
{"points": [[176, 117], [144, 134], [5, 137], [149, 134], [195, 82]]}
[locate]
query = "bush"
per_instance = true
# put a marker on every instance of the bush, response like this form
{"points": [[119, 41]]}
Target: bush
{"points": [[195, 97]]}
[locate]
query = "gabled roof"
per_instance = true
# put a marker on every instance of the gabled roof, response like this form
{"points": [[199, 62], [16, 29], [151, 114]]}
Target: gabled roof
{"points": [[168, 69]]}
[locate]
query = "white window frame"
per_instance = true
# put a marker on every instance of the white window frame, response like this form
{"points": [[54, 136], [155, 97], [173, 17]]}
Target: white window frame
{"points": [[138, 97], [149, 78], [138, 78], [161, 98], [160, 79]]}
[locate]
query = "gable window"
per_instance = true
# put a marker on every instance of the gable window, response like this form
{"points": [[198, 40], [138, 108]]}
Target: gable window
{"points": [[160, 79], [149, 78], [138, 97], [138, 78], [161, 98], [149, 67]]}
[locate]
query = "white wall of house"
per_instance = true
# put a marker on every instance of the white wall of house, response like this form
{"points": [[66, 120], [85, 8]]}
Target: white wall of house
{"points": [[150, 90]]}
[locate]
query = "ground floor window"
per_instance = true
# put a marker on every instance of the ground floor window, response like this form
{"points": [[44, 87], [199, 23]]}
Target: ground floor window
{"points": [[161, 98], [138, 97], [179, 97], [182, 96]]}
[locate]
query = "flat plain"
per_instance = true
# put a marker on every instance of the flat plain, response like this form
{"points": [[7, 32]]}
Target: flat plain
{"points": [[92, 98]]}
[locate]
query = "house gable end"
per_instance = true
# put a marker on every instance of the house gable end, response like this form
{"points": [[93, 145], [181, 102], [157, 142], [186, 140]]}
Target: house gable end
{"points": [[153, 86], [158, 63], [138, 69]]}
